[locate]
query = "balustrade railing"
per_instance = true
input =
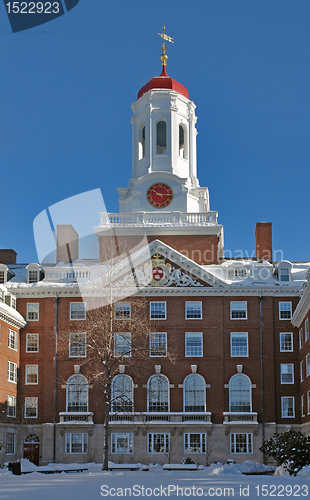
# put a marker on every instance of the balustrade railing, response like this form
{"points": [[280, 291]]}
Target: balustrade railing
{"points": [[155, 218], [240, 417], [169, 417]]}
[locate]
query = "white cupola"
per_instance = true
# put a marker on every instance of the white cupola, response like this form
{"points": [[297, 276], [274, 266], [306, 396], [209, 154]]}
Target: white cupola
{"points": [[164, 157]]}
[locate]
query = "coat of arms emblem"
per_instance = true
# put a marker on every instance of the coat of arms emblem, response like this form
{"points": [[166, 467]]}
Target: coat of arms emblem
{"points": [[158, 271]]}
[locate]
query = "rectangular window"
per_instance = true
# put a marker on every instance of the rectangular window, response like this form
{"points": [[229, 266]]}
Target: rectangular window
{"points": [[239, 344], [308, 402], [158, 443], [193, 344], [285, 310], [31, 407], [286, 342], [12, 372], [76, 443], [284, 274], [32, 276], [11, 408], [13, 302], [122, 310], [302, 405], [158, 310], [122, 344], [2, 276], [122, 442], [287, 373], [32, 342], [77, 345], [302, 371], [13, 339], [287, 407], [33, 312], [9, 443], [31, 374], [238, 310], [194, 443], [241, 443], [306, 330], [193, 310], [77, 311], [300, 339], [308, 365], [158, 344]]}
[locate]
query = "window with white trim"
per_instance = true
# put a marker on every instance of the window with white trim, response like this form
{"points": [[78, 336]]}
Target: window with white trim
{"points": [[306, 330], [122, 393], [239, 346], [77, 394], [122, 344], [77, 345], [122, 442], [11, 406], [13, 340], [193, 344], [194, 393], [302, 371], [284, 274], [301, 340], [32, 342], [158, 310], [158, 443], [158, 394], [286, 342], [76, 443], [9, 443], [12, 372], [3, 276], [307, 365], [158, 344], [195, 442], [193, 310], [31, 407], [241, 443], [238, 309], [161, 137], [77, 311], [31, 374], [287, 373], [33, 311], [122, 310], [285, 310], [240, 397], [32, 276], [13, 302], [287, 407], [308, 402], [302, 405], [141, 146]]}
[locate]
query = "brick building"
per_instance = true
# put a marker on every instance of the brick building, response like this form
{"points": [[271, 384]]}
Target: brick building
{"points": [[235, 379]]}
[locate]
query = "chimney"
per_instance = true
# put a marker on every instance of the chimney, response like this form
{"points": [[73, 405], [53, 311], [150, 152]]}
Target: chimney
{"points": [[263, 240], [8, 256], [67, 244]]}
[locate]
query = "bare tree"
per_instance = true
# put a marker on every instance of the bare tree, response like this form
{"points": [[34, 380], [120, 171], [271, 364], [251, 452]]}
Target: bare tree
{"points": [[117, 327]]}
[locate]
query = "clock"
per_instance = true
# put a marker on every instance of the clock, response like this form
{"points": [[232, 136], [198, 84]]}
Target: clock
{"points": [[159, 195]]}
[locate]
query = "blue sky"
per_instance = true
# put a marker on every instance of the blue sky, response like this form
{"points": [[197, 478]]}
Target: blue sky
{"points": [[67, 87]]}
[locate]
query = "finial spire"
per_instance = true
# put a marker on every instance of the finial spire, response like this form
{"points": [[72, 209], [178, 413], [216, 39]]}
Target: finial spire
{"points": [[164, 56]]}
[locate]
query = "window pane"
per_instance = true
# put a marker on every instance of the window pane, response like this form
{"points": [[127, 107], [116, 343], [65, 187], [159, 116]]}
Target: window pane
{"points": [[77, 345], [194, 394], [77, 394], [286, 342], [122, 344], [285, 310], [193, 344], [122, 310], [239, 344], [193, 310], [122, 393], [158, 344], [32, 342], [77, 311], [239, 394], [238, 310], [287, 373], [157, 310], [158, 393]]}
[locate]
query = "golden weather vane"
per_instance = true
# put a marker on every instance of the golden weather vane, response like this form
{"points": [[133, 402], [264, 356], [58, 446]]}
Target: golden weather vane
{"points": [[164, 56]]}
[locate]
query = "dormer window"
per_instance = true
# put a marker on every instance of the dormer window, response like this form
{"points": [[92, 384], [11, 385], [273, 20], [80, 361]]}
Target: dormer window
{"points": [[284, 271], [142, 143], [2, 277], [161, 137], [35, 273], [3, 273], [237, 273]]}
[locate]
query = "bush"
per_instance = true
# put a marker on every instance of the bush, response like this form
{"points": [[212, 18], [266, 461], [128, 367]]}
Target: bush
{"points": [[290, 449], [187, 460]]}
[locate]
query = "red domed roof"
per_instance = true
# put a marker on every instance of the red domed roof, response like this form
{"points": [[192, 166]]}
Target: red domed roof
{"points": [[163, 82]]}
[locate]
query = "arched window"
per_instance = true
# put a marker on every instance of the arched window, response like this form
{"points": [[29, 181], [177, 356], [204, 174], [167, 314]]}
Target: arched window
{"points": [[194, 393], [77, 393], [182, 134], [161, 134], [240, 393], [158, 393], [142, 142], [122, 393]]}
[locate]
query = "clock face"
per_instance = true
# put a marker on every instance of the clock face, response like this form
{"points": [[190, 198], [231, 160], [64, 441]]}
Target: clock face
{"points": [[159, 195]]}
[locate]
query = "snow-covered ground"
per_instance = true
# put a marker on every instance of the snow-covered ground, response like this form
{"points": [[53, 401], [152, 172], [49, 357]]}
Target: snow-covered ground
{"points": [[218, 481]]}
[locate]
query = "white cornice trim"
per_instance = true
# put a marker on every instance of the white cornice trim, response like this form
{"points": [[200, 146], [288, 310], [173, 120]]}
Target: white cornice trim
{"points": [[302, 308]]}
